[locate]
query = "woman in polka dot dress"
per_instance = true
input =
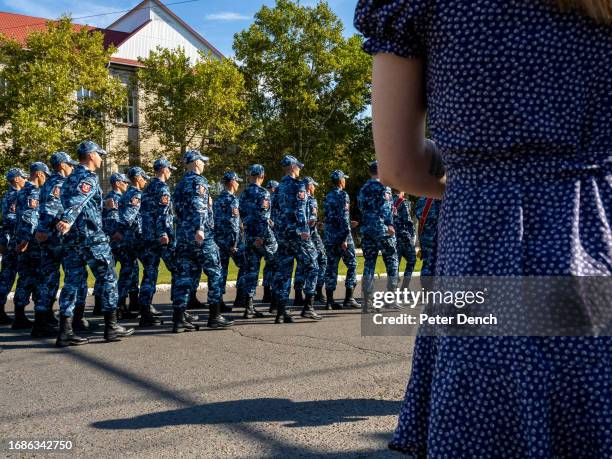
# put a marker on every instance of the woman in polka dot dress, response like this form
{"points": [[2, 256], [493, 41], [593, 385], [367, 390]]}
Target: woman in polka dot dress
{"points": [[518, 97]]}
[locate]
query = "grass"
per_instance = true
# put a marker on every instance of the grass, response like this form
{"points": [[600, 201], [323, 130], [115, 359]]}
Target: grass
{"points": [[164, 274]]}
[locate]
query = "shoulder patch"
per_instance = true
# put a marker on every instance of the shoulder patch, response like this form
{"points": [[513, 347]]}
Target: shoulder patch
{"points": [[85, 187], [135, 201], [56, 191], [266, 203], [202, 190], [12, 208], [110, 203], [387, 196], [301, 195], [32, 203], [235, 211], [165, 199]]}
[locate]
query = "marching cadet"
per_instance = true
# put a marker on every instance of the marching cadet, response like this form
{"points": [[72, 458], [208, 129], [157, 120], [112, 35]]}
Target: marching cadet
{"points": [[227, 229], [377, 234], [312, 208], [268, 273], [129, 236], [110, 223], [259, 239], [158, 222], [195, 245], [404, 234], [294, 242], [52, 253], [339, 242], [16, 179], [26, 245], [427, 211], [86, 243]]}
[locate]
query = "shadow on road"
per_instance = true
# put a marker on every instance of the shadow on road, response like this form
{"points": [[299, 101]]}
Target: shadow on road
{"points": [[293, 414]]}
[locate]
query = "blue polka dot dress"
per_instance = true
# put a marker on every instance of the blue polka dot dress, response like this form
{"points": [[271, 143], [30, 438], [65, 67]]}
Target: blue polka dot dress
{"points": [[519, 99]]}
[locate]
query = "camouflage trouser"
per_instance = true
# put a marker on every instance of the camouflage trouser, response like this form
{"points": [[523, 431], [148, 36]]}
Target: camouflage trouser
{"points": [[191, 260], [247, 281], [151, 255], [289, 249], [224, 257], [349, 258], [428, 257], [52, 255], [8, 273], [128, 255], [100, 260], [321, 261], [29, 280], [387, 247], [405, 249]]}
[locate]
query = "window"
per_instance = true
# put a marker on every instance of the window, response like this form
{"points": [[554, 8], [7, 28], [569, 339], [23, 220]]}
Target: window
{"points": [[127, 111], [82, 96]]}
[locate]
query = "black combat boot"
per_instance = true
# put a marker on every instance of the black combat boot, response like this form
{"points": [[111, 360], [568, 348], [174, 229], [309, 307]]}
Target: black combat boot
{"points": [[134, 303], [4, 318], [224, 307], [194, 303], [66, 336], [112, 330], [299, 297], [180, 322], [329, 302], [273, 303], [282, 314], [154, 311], [97, 310], [267, 296], [215, 319], [319, 295], [79, 323], [147, 319], [368, 305], [51, 315], [240, 297], [406, 283], [123, 311], [191, 317], [349, 299], [21, 322], [249, 309], [42, 328], [308, 311]]}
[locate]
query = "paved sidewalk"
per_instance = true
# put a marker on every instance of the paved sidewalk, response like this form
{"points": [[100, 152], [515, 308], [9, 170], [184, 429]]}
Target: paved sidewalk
{"points": [[309, 389]]}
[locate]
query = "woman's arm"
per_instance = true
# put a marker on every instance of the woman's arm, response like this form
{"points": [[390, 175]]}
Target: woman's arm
{"points": [[398, 110]]}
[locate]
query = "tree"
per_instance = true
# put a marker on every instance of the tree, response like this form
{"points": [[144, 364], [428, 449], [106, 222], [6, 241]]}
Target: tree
{"points": [[40, 111], [307, 85], [191, 105]]}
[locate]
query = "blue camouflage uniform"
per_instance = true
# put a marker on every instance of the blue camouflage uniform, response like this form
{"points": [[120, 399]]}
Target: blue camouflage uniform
{"points": [[337, 232], [374, 202], [255, 215], [292, 221], [8, 273], [428, 234], [404, 234], [157, 217], [28, 262], [227, 228], [191, 203], [268, 272], [312, 209], [52, 252], [130, 248], [85, 243]]}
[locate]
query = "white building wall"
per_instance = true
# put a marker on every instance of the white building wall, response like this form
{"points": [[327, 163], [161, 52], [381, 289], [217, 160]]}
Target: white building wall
{"points": [[135, 18], [163, 31]]}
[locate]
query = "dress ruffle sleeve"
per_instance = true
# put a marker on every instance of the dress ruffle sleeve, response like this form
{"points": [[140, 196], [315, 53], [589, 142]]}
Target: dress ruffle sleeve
{"points": [[393, 26]]}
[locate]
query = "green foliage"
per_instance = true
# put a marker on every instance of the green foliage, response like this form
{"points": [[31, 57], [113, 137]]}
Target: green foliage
{"points": [[39, 112], [307, 86], [191, 105]]}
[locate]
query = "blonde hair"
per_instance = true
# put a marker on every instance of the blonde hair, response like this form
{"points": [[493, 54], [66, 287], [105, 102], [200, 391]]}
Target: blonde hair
{"points": [[600, 10]]}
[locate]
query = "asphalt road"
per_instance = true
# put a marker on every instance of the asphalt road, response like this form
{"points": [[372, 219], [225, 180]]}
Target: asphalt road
{"points": [[309, 389]]}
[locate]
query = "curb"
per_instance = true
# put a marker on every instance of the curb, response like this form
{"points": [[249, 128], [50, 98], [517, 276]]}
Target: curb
{"points": [[202, 286]]}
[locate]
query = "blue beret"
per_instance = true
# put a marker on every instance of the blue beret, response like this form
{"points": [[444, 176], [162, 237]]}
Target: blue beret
{"points": [[231, 175], [118, 177], [310, 181], [289, 160], [15, 172], [256, 170], [60, 157], [161, 163], [135, 171], [337, 175], [89, 146], [193, 155], [39, 167]]}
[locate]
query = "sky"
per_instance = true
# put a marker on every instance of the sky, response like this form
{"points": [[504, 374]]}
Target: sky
{"points": [[215, 20]]}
